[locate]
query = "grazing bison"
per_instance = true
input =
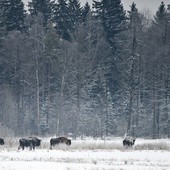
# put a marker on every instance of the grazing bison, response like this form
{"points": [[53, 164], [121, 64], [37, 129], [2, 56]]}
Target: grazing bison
{"points": [[31, 142], [37, 141], [129, 141], [2, 141], [60, 140]]}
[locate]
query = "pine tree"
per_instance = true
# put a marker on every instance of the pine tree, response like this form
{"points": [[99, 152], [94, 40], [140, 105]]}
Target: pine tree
{"points": [[45, 7], [13, 15], [61, 19]]}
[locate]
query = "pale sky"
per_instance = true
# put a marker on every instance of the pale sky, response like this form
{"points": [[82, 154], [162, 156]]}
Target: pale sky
{"points": [[152, 5]]}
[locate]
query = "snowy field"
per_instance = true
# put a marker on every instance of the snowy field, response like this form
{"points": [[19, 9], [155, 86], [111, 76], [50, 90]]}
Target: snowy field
{"points": [[88, 155]]}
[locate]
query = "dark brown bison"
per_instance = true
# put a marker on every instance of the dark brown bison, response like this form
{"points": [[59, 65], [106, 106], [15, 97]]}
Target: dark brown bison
{"points": [[2, 141], [30, 142], [60, 140], [129, 141]]}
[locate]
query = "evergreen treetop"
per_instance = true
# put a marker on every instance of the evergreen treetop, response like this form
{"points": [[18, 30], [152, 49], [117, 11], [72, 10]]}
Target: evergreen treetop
{"points": [[45, 7], [112, 16], [12, 14], [61, 19], [75, 13], [85, 11], [161, 13], [133, 16]]}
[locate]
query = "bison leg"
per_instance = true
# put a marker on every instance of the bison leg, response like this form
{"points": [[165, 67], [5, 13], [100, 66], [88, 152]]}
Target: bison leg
{"points": [[51, 146], [33, 147], [30, 145], [21, 147]]}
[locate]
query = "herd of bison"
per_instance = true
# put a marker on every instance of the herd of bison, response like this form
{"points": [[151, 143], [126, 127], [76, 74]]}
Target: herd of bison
{"points": [[33, 142]]}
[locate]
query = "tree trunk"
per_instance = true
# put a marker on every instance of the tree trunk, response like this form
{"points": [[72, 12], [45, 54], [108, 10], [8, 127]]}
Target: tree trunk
{"points": [[37, 92], [154, 106], [134, 45]]}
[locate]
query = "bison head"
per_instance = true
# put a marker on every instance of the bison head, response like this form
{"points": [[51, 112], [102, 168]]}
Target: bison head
{"points": [[38, 142]]}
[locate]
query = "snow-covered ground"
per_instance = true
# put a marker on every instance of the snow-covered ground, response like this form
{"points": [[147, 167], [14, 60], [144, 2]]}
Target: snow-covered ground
{"points": [[89, 155]]}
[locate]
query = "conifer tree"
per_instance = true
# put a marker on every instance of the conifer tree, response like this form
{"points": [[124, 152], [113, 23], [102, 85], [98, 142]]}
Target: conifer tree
{"points": [[112, 16], [159, 42], [133, 16], [160, 14], [45, 7], [161, 22], [75, 13], [85, 12], [132, 76], [61, 19], [12, 14]]}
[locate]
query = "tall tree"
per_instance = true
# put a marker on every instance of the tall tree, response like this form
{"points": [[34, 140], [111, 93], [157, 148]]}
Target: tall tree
{"points": [[160, 14], [160, 23], [45, 7], [159, 32], [111, 15], [62, 20], [133, 82], [85, 12], [75, 14], [13, 15]]}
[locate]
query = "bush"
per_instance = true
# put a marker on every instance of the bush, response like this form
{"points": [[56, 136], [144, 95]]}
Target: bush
{"points": [[5, 132]]}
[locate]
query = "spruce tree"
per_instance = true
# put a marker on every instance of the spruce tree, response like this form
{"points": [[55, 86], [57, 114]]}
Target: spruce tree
{"points": [[45, 7], [75, 13], [159, 43], [133, 80], [161, 14], [133, 16], [12, 15], [161, 23], [112, 17], [61, 19], [85, 12]]}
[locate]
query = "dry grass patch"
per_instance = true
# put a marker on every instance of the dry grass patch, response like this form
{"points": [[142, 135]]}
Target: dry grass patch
{"points": [[153, 146]]}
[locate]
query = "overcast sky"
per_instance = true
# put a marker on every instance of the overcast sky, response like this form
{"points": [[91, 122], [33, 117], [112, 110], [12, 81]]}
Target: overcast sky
{"points": [[152, 5]]}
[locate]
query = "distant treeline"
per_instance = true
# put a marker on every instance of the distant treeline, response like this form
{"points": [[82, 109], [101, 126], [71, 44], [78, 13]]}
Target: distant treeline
{"points": [[95, 71]]}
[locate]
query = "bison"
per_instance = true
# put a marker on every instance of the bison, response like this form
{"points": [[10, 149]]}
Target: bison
{"points": [[2, 141], [129, 141], [60, 140], [31, 142]]}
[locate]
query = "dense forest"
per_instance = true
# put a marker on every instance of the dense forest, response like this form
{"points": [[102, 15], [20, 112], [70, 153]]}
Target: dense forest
{"points": [[67, 69]]}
